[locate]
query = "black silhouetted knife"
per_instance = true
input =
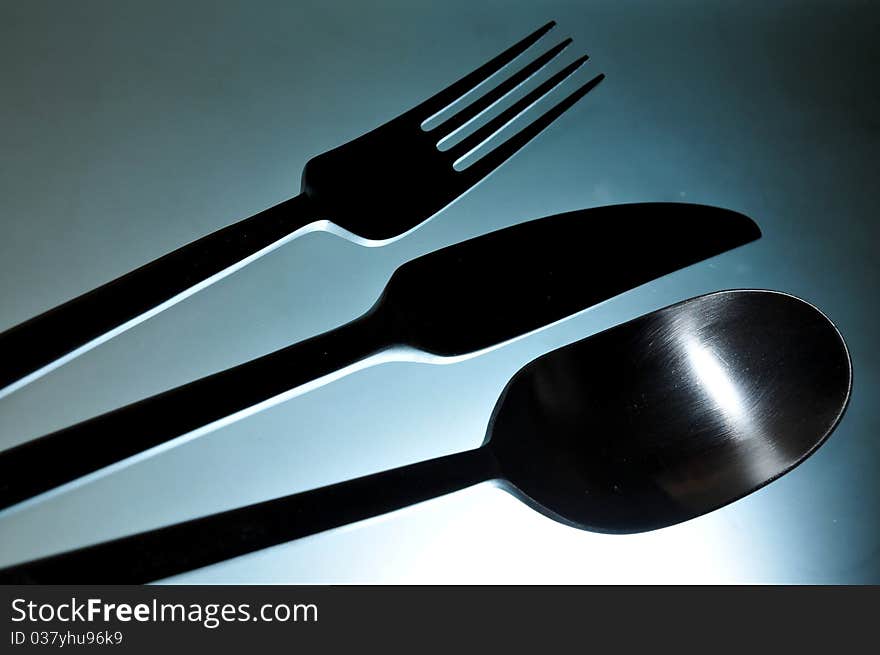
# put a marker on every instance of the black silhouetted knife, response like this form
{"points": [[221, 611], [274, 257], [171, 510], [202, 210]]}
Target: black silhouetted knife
{"points": [[452, 302]]}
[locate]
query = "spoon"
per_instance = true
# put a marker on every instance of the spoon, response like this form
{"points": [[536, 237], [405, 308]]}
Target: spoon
{"points": [[645, 425], [449, 303]]}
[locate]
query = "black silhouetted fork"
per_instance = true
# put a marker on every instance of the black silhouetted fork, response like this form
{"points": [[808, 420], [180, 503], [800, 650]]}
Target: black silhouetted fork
{"points": [[378, 186]]}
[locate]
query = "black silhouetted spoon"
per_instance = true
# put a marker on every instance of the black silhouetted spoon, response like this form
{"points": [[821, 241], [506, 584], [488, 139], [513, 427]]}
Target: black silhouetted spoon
{"points": [[645, 425], [452, 302]]}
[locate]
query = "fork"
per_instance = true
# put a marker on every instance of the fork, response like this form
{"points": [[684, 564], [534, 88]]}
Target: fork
{"points": [[377, 187]]}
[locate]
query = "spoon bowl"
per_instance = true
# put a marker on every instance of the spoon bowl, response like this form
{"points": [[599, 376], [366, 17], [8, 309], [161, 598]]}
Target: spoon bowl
{"points": [[673, 414]]}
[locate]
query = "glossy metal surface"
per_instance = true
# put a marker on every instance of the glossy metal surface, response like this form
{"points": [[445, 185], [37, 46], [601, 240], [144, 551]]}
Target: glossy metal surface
{"points": [[673, 414], [645, 425], [456, 301]]}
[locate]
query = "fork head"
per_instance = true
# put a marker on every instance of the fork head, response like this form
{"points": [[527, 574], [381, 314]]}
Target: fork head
{"points": [[391, 179]]}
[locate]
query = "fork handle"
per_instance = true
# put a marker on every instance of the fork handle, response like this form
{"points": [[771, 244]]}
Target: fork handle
{"points": [[44, 463], [35, 346]]}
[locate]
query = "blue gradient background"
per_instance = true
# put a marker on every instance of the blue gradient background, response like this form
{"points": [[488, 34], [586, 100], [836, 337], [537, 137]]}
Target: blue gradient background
{"points": [[127, 129]]}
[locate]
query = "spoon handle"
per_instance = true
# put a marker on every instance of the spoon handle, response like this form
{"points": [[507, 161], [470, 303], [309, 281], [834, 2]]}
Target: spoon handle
{"points": [[39, 465], [181, 547], [36, 346]]}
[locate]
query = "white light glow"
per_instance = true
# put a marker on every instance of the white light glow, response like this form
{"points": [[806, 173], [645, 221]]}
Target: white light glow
{"points": [[713, 376]]}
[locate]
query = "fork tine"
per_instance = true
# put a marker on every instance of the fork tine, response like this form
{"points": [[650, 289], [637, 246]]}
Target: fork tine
{"points": [[486, 131], [499, 155], [454, 91], [476, 108]]}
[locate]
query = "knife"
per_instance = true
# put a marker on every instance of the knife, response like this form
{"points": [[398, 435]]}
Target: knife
{"points": [[453, 302]]}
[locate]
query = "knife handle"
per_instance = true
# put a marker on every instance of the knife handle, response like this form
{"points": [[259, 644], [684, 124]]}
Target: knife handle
{"points": [[181, 547], [44, 463], [36, 346]]}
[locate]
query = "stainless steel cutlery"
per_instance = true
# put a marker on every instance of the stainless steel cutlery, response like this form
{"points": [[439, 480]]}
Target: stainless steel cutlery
{"points": [[642, 426]]}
